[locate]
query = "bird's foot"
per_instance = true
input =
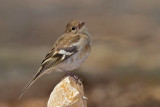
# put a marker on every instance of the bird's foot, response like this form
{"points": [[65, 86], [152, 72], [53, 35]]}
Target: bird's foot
{"points": [[71, 74], [77, 79]]}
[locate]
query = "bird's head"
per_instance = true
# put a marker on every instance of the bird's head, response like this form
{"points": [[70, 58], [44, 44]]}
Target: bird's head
{"points": [[75, 26]]}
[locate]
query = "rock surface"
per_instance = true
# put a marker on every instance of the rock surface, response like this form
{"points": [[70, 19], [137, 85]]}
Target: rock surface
{"points": [[67, 93]]}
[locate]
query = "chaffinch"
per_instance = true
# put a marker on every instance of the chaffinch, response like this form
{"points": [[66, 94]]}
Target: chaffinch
{"points": [[68, 52]]}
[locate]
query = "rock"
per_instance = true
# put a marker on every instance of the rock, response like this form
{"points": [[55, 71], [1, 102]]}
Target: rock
{"points": [[68, 93]]}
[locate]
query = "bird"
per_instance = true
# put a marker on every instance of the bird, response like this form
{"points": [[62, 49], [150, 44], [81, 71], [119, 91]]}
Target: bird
{"points": [[69, 51]]}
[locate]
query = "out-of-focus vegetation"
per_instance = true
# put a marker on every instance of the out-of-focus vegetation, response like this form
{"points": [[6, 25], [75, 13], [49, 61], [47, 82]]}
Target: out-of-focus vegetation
{"points": [[122, 70]]}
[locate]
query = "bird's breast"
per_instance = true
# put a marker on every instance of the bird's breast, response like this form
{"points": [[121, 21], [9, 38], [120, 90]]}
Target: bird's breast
{"points": [[76, 60]]}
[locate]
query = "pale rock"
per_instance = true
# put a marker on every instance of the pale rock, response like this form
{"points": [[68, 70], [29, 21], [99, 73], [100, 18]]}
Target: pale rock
{"points": [[68, 93]]}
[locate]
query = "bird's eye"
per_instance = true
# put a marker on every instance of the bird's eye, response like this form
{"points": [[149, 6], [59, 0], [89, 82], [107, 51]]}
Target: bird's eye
{"points": [[73, 28]]}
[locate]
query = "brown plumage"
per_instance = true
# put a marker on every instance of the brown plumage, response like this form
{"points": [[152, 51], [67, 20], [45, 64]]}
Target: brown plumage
{"points": [[68, 52]]}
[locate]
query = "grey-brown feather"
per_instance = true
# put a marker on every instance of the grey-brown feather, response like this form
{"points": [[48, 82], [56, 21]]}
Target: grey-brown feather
{"points": [[67, 52], [49, 62]]}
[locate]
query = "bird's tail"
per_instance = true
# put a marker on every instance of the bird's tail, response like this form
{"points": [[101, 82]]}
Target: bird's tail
{"points": [[37, 75]]}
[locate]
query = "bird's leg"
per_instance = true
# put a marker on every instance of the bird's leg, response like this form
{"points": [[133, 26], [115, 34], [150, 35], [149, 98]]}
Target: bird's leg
{"points": [[72, 75], [67, 72]]}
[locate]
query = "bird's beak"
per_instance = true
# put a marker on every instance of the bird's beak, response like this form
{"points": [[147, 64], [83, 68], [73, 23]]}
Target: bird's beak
{"points": [[81, 24]]}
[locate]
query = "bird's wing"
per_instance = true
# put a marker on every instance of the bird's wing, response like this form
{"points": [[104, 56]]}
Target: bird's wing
{"points": [[64, 48], [54, 58]]}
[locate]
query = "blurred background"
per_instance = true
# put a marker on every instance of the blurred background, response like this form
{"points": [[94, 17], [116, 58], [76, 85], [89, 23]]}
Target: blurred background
{"points": [[122, 69]]}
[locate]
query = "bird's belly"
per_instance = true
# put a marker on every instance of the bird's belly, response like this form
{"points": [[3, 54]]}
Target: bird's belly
{"points": [[74, 61]]}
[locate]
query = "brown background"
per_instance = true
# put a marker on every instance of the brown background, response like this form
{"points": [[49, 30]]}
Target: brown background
{"points": [[122, 70]]}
